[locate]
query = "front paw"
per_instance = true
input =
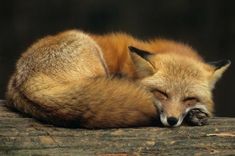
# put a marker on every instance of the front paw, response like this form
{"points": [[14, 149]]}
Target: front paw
{"points": [[197, 117]]}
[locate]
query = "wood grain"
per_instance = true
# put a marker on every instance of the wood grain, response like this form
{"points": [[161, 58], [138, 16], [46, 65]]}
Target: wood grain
{"points": [[21, 135]]}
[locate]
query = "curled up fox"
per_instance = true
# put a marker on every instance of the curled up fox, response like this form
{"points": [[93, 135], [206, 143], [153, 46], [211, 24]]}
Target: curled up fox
{"points": [[77, 79]]}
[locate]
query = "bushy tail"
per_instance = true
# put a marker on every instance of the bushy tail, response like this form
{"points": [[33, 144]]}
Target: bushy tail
{"points": [[89, 103]]}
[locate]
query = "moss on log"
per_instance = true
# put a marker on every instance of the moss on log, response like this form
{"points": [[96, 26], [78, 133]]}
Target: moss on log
{"points": [[21, 135]]}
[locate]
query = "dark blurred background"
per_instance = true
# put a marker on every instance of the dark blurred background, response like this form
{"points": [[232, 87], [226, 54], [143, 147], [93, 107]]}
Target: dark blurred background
{"points": [[207, 25]]}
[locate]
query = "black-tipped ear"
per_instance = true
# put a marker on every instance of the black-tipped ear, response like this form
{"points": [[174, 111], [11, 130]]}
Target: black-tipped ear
{"points": [[219, 64], [220, 68], [140, 60], [142, 53]]}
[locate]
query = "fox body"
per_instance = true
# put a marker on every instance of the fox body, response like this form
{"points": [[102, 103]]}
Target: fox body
{"points": [[76, 79]]}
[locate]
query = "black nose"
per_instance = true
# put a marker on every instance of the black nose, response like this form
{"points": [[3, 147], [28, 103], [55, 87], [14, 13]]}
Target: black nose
{"points": [[172, 121]]}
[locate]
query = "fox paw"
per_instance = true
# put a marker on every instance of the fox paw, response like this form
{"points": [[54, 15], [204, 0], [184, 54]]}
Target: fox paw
{"points": [[196, 117]]}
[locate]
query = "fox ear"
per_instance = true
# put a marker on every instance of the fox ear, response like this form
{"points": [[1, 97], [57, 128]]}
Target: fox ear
{"points": [[142, 53], [142, 64], [219, 68]]}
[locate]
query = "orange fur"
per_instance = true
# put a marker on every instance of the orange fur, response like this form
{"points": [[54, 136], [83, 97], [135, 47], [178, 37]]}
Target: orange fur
{"points": [[69, 80]]}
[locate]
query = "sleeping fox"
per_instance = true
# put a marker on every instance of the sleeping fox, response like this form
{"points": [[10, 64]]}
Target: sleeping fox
{"points": [[77, 79]]}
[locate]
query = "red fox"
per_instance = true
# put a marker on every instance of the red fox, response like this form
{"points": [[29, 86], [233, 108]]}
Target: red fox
{"points": [[77, 79]]}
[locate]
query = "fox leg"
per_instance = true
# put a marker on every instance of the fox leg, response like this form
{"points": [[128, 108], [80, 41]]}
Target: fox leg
{"points": [[196, 117]]}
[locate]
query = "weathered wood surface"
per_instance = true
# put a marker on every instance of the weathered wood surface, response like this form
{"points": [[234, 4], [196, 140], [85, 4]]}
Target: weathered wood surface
{"points": [[20, 135]]}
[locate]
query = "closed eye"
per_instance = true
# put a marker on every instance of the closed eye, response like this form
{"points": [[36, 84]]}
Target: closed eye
{"points": [[191, 101], [160, 94]]}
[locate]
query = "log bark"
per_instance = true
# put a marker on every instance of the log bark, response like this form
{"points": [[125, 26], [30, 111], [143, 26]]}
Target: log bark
{"points": [[22, 135]]}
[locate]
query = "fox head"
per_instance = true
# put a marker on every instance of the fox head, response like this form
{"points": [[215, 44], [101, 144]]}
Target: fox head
{"points": [[178, 82]]}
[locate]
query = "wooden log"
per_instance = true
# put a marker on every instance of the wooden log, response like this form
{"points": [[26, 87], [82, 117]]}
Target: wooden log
{"points": [[21, 135]]}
